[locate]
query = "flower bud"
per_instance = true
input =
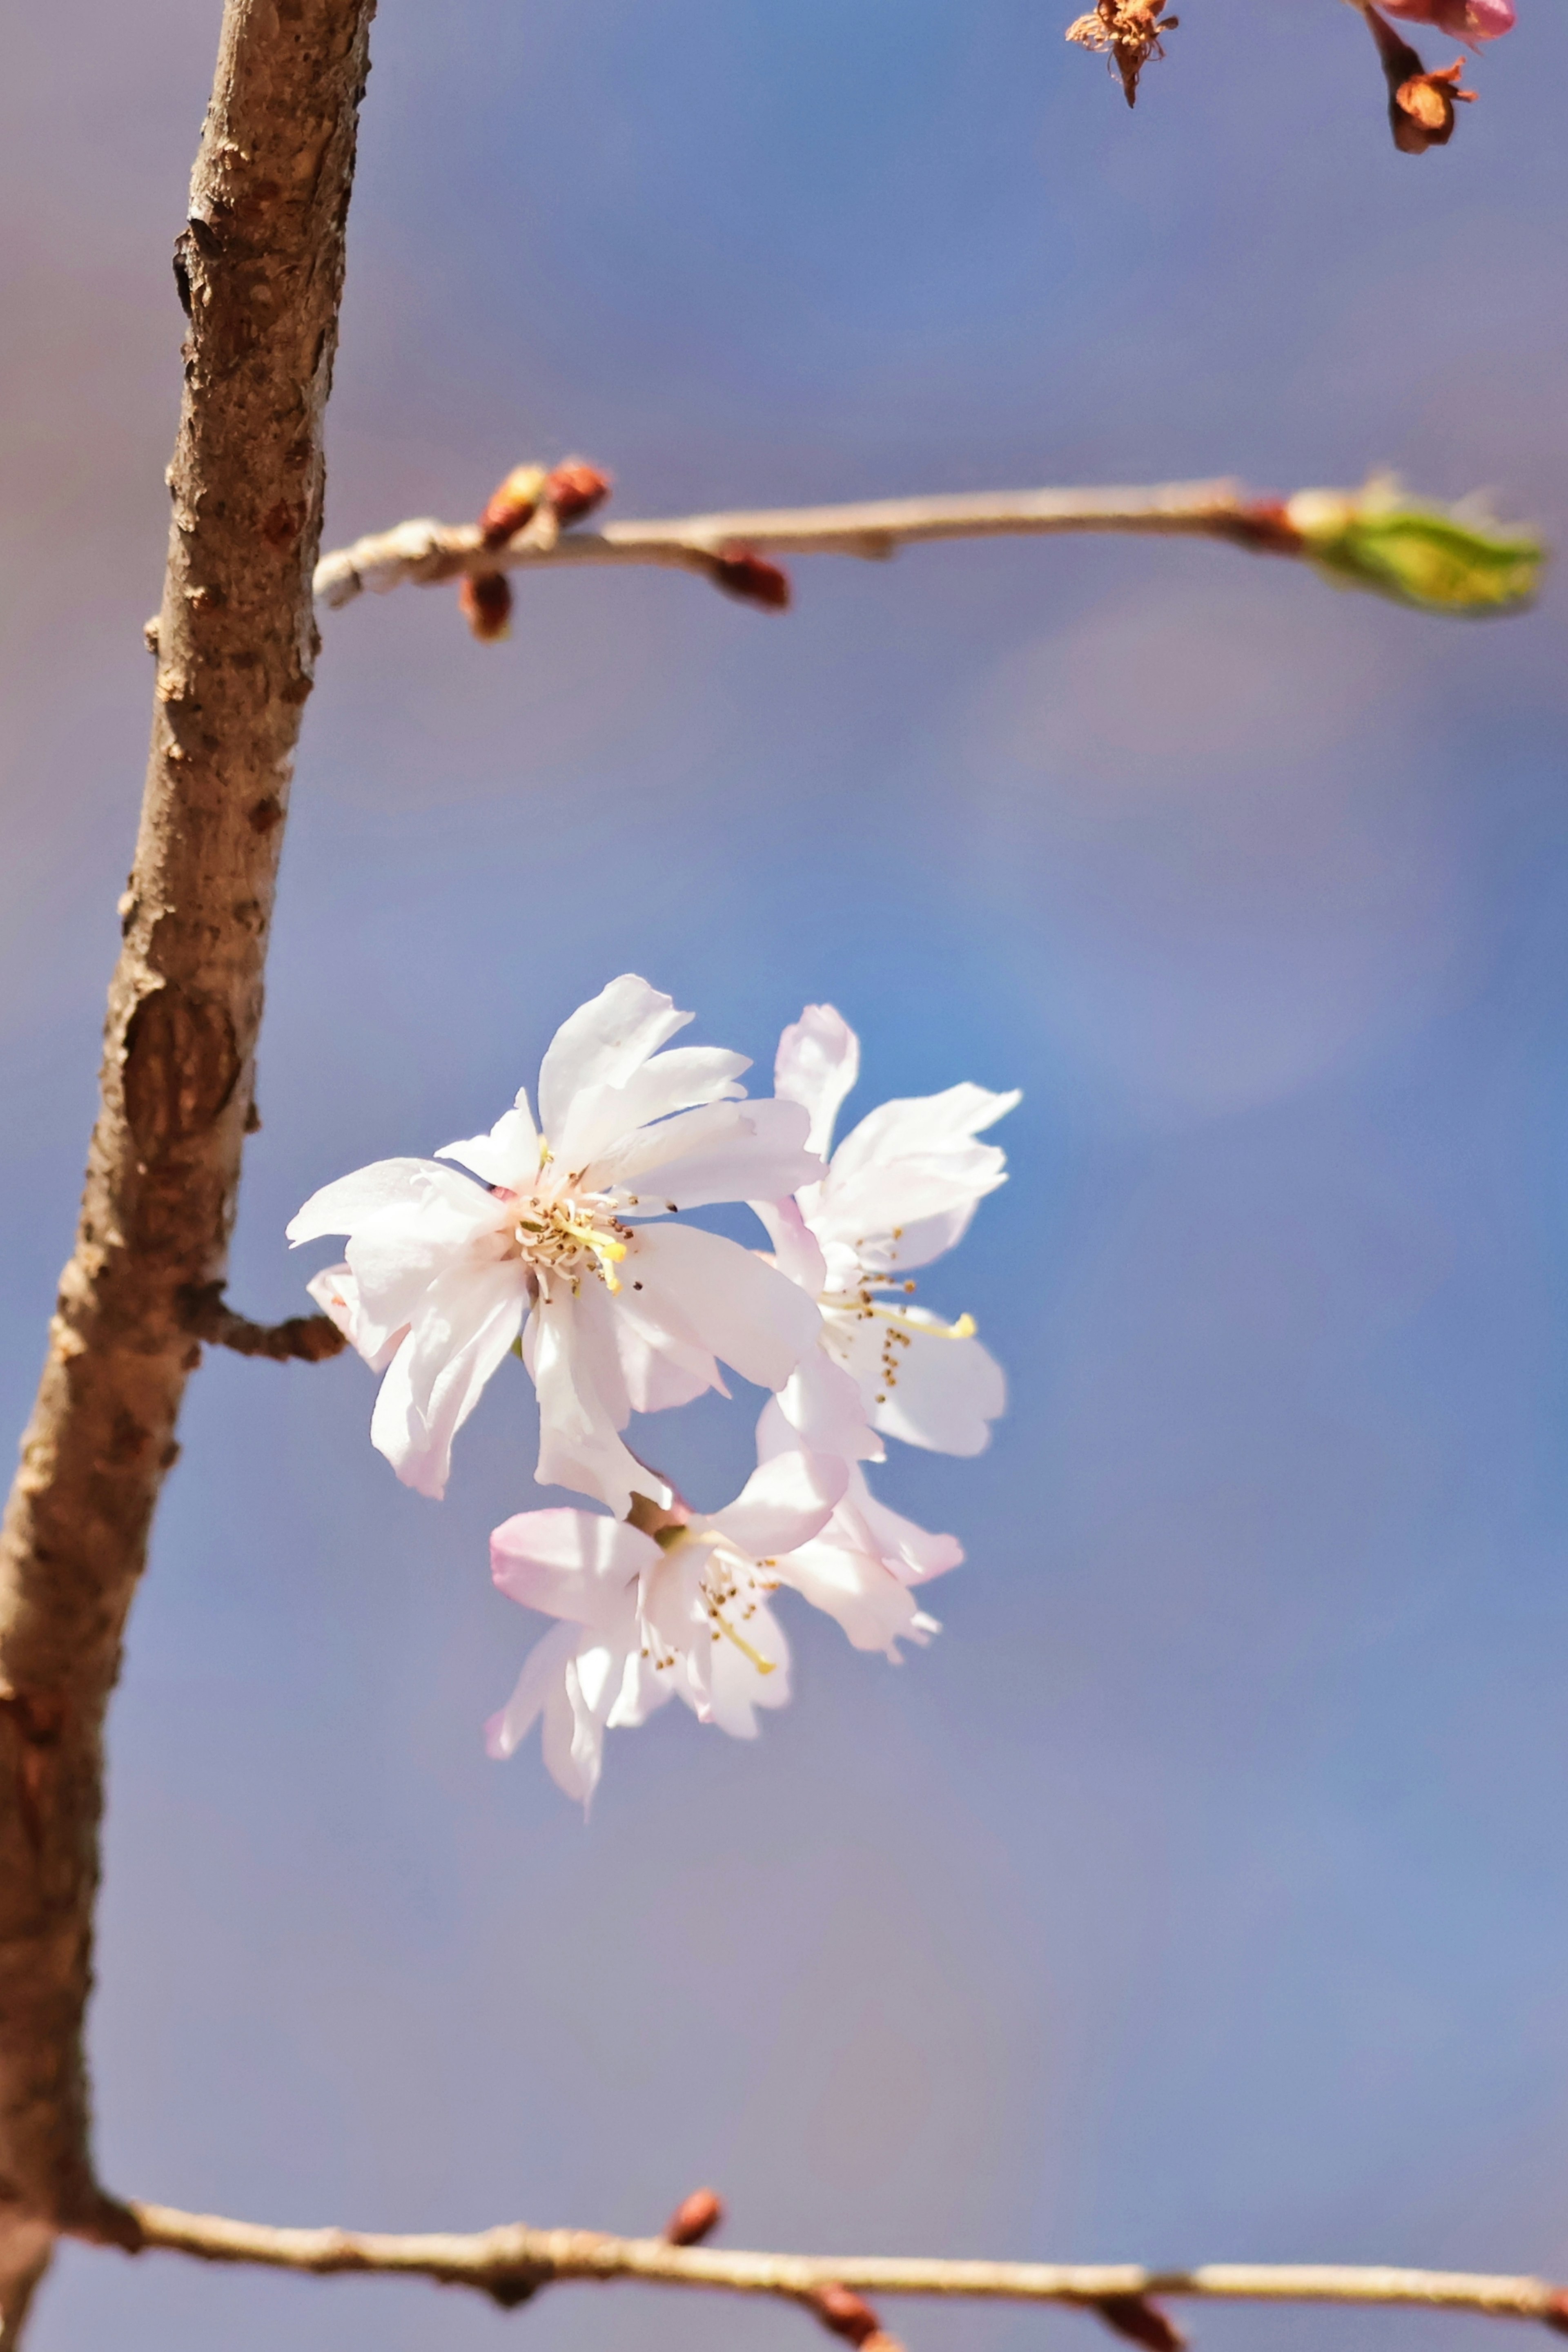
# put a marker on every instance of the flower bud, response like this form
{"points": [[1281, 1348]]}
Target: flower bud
{"points": [[485, 600], [844, 2313], [740, 571], [1142, 2321], [1420, 104], [1418, 555], [574, 488], [511, 504], [696, 2217]]}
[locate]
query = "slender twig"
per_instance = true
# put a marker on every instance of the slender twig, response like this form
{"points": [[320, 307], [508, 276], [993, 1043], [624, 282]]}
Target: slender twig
{"points": [[302, 1339], [425, 552], [259, 271], [513, 2262]]}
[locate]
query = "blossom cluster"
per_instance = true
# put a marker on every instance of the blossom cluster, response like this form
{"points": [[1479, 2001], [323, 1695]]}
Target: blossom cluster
{"points": [[560, 1243]]}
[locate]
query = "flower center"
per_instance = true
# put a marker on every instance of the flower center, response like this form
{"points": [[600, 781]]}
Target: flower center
{"points": [[574, 1235]]}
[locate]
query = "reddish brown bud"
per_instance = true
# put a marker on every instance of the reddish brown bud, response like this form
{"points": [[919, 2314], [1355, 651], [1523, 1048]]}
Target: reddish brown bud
{"points": [[485, 600], [740, 571], [696, 2217], [1263, 525], [1556, 2311], [1142, 2321], [574, 488], [844, 2313], [511, 504]]}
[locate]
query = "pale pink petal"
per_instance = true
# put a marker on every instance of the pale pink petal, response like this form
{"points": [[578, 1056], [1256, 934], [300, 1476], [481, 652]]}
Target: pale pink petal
{"points": [[941, 1392], [337, 1294], [854, 1587], [433, 1382], [820, 1409], [785, 1501], [731, 1687], [670, 1082], [644, 1688], [508, 1155], [818, 1063], [584, 1402], [395, 1257], [573, 1564], [660, 1370], [706, 1289], [601, 1046], [914, 1554], [795, 1249], [1473, 21], [339, 1207], [909, 1161], [723, 1151], [542, 1678]]}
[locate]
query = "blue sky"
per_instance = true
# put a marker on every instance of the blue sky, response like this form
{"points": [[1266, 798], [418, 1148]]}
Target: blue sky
{"points": [[1202, 1893]]}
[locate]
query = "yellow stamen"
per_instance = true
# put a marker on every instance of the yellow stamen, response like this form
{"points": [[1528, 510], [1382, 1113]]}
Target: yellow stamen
{"points": [[764, 1665], [965, 1328]]}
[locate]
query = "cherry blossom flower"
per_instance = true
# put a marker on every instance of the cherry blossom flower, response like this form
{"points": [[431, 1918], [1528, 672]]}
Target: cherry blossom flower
{"points": [[899, 1190], [1472, 21], [621, 1315], [647, 1617], [686, 1612]]}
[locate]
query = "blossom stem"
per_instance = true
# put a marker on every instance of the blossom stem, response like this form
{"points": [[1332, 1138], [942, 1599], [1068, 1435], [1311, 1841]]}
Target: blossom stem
{"points": [[513, 2262]]}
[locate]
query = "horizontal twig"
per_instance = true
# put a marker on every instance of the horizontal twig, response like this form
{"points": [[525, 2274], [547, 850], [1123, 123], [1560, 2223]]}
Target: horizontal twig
{"points": [[425, 552], [513, 2262], [303, 1338]]}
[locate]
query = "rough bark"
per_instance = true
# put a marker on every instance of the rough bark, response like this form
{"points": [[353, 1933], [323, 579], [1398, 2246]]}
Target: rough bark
{"points": [[259, 269]]}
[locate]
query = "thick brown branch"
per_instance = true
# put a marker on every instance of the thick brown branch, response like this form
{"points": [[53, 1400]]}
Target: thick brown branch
{"points": [[259, 271], [513, 2262], [303, 1338], [425, 552]]}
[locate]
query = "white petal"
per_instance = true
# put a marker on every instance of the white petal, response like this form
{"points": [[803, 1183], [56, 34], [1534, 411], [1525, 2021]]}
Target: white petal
{"points": [[914, 1554], [508, 1155], [469, 1320], [910, 1161], [603, 1116], [396, 1256], [817, 1061], [659, 1369], [724, 1152], [785, 1501], [941, 1392], [584, 1402], [795, 1249], [855, 1588], [573, 1564], [706, 1289], [820, 1409], [602, 1045], [337, 1294], [338, 1208], [732, 1687], [543, 1674]]}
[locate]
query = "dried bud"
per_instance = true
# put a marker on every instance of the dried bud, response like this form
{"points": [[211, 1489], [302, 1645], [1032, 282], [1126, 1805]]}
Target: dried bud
{"points": [[574, 488], [844, 2313], [1129, 30], [696, 2217], [1440, 562], [740, 571], [1422, 110], [1556, 2311], [1142, 2321], [485, 600], [511, 504], [1420, 104]]}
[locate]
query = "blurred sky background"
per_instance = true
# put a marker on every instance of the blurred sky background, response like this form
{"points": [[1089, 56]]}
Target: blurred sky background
{"points": [[1204, 1893]]}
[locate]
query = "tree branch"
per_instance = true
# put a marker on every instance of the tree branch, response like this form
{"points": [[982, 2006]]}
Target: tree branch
{"points": [[425, 552], [302, 1338], [259, 270], [513, 2262]]}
